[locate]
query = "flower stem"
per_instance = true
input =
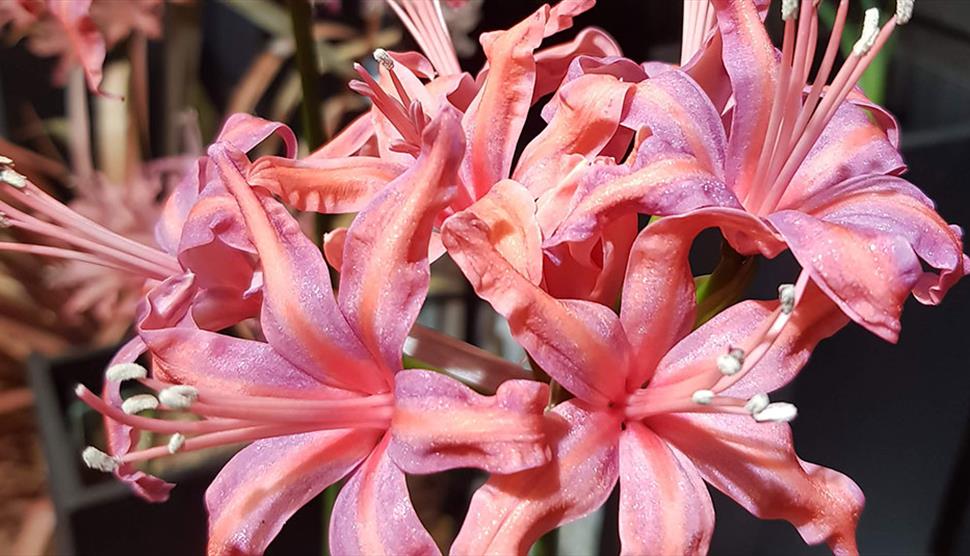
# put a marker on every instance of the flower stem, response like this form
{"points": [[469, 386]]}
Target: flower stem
{"points": [[723, 287], [306, 61]]}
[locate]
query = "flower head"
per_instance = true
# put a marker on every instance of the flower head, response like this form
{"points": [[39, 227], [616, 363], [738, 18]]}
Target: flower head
{"points": [[809, 170], [657, 407], [325, 395]]}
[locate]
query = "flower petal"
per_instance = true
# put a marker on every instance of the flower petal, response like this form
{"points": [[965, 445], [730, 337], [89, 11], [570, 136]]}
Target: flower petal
{"points": [[578, 343], [496, 117], [678, 111], [325, 185], [892, 206], [552, 64], [755, 464], [664, 504], [851, 145], [245, 131], [350, 140], [868, 273], [440, 424], [385, 273], [373, 513], [510, 512], [667, 183], [184, 354], [269, 480], [749, 58], [300, 317], [588, 115]]}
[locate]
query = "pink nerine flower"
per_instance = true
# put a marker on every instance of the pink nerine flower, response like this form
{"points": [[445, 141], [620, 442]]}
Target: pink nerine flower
{"points": [[657, 407], [592, 118], [79, 31], [325, 395], [809, 169]]}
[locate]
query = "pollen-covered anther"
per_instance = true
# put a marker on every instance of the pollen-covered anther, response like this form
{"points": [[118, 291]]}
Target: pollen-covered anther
{"points": [[757, 403], [14, 178], [136, 404], [125, 371], [904, 11], [702, 397], [179, 396], [730, 363], [176, 442], [786, 296], [384, 59], [777, 412], [789, 9], [6, 160], [870, 30], [96, 459]]}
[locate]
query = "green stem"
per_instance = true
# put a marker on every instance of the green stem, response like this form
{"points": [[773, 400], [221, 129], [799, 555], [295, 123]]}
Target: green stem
{"points": [[547, 545], [306, 62], [725, 286], [329, 498]]}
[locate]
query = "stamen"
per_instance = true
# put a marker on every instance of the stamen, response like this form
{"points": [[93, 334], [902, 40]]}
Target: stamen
{"points": [[96, 459], [730, 363], [904, 11], [789, 9], [786, 296], [176, 442], [384, 59], [777, 412], [870, 30], [125, 371], [14, 178], [180, 396], [6, 161], [4, 220], [757, 403], [136, 404], [702, 397]]}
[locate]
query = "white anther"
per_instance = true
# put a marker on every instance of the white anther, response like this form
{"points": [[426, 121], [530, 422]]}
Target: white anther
{"points": [[125, 371], [757, 403], [384, 59], [176, 442], [96, 459], [702, 397], [904, 11], [139, 403], [730, 363], [870, 30], [179, 396], [4, 220], [6, 161], [786, 296], [777, 412], [14, 178], [789, 9]]}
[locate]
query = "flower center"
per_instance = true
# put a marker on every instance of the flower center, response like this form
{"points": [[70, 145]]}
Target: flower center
{"points": [[224, 419], [704, 392]]}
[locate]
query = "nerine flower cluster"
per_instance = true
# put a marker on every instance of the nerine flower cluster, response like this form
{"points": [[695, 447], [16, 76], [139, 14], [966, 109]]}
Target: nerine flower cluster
{"points": [[777, 148]]}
